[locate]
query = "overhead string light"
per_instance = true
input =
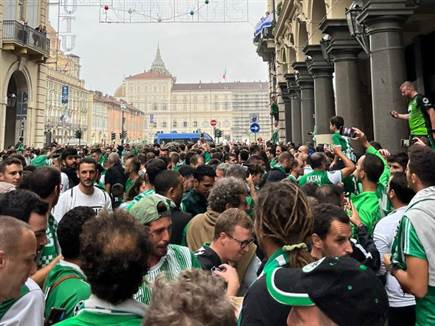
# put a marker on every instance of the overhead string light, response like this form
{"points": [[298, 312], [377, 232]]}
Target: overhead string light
{"points": [[178, 11]]}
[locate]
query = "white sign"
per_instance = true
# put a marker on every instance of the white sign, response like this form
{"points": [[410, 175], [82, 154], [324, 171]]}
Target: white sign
{"points": [[254, 117]]}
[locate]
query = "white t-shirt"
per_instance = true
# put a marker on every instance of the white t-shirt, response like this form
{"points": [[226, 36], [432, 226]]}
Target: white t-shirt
{"points": [[64, 182], [335, 176], [74, 198], [28, 310], [383, 236]]}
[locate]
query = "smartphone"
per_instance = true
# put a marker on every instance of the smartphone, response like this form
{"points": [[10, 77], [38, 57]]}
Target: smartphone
{"points": [[216, 269], [56, 315], [404, 142], [348, 132]]}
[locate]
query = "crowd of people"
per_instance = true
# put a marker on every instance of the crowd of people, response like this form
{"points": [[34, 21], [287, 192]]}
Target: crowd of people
{"points": [[210, 234]]}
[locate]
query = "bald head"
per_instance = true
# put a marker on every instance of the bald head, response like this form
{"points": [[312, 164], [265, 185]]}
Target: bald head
{"points": [[407, 89], [17, 256], [408, 84], [11, 229]]}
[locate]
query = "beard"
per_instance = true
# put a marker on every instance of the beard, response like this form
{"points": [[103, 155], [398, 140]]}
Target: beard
{"points": [[160, 250]]}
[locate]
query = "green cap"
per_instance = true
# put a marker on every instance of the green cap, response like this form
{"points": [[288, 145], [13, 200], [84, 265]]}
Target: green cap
{"points": [[39, 161], [150, 208]]}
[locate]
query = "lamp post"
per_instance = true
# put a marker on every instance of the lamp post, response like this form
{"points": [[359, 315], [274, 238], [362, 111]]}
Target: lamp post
{"points": [[356, 28], [123, 110]]}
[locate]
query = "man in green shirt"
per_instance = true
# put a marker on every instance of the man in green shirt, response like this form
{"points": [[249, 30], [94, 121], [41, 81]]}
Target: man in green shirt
{"points": [[372, 172], [168, 259], [320, 175], [132, 167], [66, 283], [413, 251], [421, 113], [113, 256], [195, 201], [336, 125], [45, 182]]}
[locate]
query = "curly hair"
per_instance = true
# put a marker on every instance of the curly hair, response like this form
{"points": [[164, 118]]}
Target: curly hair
{"points": [[195, 298], [70, 228], [114, 251], [284, 217], [226, 191]]}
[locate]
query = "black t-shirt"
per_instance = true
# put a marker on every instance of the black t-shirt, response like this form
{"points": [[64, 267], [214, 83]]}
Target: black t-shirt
{"points": [[115, 174], [208, 258], [259, 308], [179, 221]]}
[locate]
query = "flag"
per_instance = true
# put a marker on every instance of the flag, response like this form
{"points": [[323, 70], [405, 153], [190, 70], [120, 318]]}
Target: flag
{"points": [[224, 76]]}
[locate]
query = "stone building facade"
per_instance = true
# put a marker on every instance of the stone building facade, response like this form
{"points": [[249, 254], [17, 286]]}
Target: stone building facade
{"points": [[186, 107], [109, 115], [68, 101], [326, 60], [23, 75]]}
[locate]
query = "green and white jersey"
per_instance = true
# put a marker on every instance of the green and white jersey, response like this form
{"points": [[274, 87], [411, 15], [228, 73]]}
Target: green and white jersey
{"points": [[343, 142], [95, 311], [415, 238], [140, 196], [51, 250], [177, 259], [407, 243], [321, 177], [419, 121]]}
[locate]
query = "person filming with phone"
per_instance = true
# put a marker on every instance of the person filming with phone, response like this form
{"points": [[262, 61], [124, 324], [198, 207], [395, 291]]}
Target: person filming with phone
{"points": [[420, 116]]}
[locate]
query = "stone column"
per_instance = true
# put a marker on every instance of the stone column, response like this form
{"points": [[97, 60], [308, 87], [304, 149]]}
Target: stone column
{"points": [[287, 111], [343, 50], [321, 70], [37, 124], [2, 90], [306, 85], [388, 70], [295, 99]]}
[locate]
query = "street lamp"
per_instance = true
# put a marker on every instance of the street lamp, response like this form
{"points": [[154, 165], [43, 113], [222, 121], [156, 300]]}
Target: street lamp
{"points": [[11, 100], [356, 28], [123, 110], [325, 42]]}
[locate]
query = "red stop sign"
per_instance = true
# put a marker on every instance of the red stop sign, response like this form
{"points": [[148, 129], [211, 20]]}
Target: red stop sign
{"points": [[213, 122]]}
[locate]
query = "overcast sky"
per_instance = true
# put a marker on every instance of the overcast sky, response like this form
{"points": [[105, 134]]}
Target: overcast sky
{"points": [[191, 52]]}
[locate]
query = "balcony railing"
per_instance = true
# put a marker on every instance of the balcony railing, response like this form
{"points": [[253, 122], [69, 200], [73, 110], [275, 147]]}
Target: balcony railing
{"points": [[26, 37]]}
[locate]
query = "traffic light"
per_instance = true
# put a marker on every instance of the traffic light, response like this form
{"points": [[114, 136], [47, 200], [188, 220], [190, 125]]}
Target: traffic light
{"points": [[78, 134], [113, 136], [217, 133]]}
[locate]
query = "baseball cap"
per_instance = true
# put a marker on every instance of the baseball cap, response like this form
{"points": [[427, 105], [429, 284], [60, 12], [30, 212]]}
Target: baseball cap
{"points": [[343, 289], [150, 208]]}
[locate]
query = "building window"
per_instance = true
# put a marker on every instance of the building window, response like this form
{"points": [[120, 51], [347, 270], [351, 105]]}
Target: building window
{"points": [[185, 124], [155, 107], [174, 124], [195, 124], [164, 124]]}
